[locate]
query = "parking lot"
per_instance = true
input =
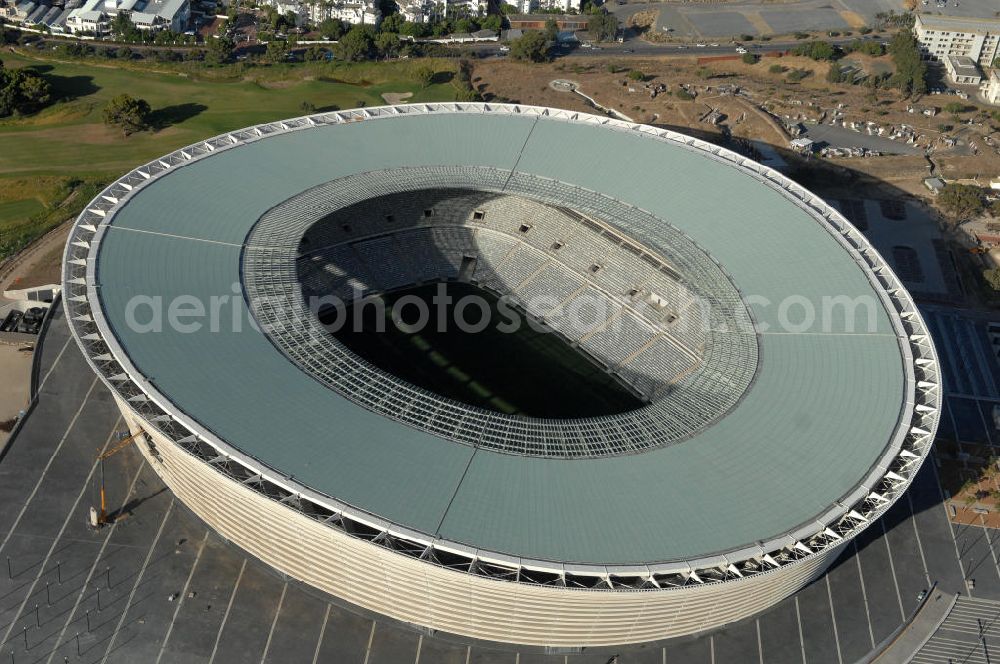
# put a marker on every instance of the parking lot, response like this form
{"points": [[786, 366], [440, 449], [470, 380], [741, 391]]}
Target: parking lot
{"points": [[970, 634], [759, 17]]}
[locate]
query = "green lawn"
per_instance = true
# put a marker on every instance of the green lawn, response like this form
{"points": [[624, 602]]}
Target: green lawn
{"points": [[69, 142], [14, 211]]}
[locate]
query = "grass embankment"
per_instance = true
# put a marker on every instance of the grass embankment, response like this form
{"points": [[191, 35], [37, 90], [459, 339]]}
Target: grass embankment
{"points": [[53, 162]]}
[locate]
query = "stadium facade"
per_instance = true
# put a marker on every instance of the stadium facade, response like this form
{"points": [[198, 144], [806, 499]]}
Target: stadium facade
{"points": [[763, 446]]}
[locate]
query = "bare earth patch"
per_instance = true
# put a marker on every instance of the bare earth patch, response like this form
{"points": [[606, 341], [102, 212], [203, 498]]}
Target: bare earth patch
{"points": [[396, 97]]}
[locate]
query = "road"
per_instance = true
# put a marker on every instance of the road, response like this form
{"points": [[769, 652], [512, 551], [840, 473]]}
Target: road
{"points": [[637, 47]]}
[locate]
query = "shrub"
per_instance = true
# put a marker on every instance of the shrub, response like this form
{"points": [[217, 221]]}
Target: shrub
{"points": [[956, 107]]}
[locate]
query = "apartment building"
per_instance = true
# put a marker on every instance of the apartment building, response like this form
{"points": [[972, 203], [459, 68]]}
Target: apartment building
{"points": [[974, 38]]}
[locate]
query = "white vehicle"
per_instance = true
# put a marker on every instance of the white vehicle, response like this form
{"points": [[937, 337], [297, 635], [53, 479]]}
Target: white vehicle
{"points": [[741, 50], [505, 49], [701, 45]]}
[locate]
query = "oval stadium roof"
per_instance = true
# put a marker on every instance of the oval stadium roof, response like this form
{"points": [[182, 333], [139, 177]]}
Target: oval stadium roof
{"points": [[825, 414]]}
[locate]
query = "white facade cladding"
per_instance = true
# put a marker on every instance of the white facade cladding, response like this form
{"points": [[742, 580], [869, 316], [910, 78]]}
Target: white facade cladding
{"points": [[457, 587]]}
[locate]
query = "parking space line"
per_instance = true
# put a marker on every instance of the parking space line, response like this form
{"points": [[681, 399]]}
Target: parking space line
{"points": [[371, 637], [892, 569], [62, 529], [920, 546], [225, 616], [833, 619], [322, 632], [989, 543], [798, 618], [274, 622], [864, 591], [760, 645], [468, 654], [180, 600], [93, 567], [951, 526], [54, 363], [48, 464], [420, 642], [711, 649], [138, 580]]}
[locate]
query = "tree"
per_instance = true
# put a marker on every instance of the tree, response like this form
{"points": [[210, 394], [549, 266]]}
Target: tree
{"points": [[911, 70], [995, 209], [22, 91], [866, 46], [962, 201], [551, 30], [776, 69], [123, 29], [533, 47], [424, 75], [465, 25], [220, 50], [817, 50], [357, 44], [636, 75], [315, 52], [493, 22], [750, 58], [277, 50], [127, 112], [392, 23], [331, 28], [602, 27], [835, 74], [415, 30], [387, 44], [955, 107]]}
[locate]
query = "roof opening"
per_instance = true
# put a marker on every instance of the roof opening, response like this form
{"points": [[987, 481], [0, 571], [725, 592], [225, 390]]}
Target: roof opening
{"points": [[530, 371]]}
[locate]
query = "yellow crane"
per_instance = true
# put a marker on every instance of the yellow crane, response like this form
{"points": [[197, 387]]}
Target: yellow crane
{"points": [[99, 519]]}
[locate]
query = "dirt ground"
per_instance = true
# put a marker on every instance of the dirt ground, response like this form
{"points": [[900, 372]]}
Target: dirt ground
{"points": [[15, 368], [755, 101], [39, 264]]}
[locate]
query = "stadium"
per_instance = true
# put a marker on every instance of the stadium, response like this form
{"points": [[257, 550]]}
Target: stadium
{"points": [[699, 420]]}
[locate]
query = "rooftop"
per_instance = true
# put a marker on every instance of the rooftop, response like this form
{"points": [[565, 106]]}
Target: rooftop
{"points": [[828, 404], [962, 24], [963, 65]]}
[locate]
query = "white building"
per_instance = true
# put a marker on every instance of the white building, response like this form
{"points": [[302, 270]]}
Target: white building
{"points": [[962, 70], [992, 92], [417, 11], [456, 8], [91, 17], [561, 5], [355, 13], [975, 38], [95, 15]]}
